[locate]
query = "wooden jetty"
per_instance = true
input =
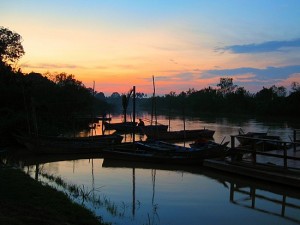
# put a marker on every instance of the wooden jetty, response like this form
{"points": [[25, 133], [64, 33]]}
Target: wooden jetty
{"points": [[280, 166]]}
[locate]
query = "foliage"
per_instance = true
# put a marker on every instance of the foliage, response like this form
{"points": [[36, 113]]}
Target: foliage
{"points": [[125, 103], [52, 105], [295, 86], [11, 48], [226, 85], [230, 98]]}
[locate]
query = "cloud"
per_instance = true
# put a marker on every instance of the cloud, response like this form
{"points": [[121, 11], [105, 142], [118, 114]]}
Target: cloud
{"points": [[269, 73], [270, 46], [181, 77], [173, 61], [49, 66]]}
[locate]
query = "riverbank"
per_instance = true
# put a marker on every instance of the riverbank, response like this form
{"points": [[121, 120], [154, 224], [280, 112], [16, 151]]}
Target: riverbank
{"points": [[25, 201]]}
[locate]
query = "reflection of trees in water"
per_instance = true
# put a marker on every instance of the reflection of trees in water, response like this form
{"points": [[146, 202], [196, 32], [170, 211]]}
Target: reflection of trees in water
{"points": [[85, 195]]}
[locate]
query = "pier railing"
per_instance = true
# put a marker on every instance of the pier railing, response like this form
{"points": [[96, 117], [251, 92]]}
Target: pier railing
{"points": [[296, 135], [283, 155], [283, 204]]}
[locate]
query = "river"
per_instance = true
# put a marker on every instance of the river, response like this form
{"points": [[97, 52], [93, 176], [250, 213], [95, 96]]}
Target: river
{"points": [[149, 194]]}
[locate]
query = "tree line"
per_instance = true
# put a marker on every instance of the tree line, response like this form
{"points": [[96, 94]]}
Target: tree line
{"points": [[36, 103], [33, 102], [229, 98]]}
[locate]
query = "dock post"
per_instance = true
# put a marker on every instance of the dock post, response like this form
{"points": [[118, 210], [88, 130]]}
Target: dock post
{"points": [[254, 153], [232, 141], [253, 196], [295, 139], [285, 155], [231, 192], [283, 205], [233, 156]]}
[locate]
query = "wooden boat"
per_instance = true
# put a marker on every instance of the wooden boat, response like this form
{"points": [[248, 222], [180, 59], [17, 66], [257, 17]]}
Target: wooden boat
{"points": [[246, 139], [180, 135], [209, 145], [209, 150], [151, 156], [269, 143], [128, 127], [120, 127], [162, 152], [258, 138], [64, 145], [153, 128]]}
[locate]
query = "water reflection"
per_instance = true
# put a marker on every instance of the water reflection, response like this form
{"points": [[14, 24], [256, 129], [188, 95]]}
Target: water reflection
{"points": [[275, 200], [249, 197], [138, 193], [142, 193], [223, 126]]}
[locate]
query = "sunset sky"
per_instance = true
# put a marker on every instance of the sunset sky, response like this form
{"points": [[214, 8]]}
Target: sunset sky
{"points": [[183, 43]]}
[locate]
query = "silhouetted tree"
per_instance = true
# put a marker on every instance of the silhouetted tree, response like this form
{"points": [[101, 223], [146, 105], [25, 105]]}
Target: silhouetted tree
{"points": [[226, 85], [139, 95], [125, 103], [295, 86], [115, 95], [292, 101], [11, 48], [100, 96]]}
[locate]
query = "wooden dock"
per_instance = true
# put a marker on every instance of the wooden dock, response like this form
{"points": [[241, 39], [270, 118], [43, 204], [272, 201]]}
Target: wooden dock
{"points": [[280, 166]]}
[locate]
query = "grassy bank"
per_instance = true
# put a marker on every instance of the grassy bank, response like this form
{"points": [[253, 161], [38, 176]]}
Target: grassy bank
{"points": [[26, 201]]}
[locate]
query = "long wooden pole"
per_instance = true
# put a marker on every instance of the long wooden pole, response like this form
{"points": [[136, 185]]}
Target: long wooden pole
{"points": [[154, 101], [93, 110], [133, 105]]}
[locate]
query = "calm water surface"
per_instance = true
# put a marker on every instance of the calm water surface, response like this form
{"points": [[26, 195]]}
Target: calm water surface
{"points": [[134, 193]]}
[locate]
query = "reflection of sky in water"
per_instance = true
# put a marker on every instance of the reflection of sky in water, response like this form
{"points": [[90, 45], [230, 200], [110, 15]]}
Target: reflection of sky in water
{"points": [[223, 126], [178, 197]]}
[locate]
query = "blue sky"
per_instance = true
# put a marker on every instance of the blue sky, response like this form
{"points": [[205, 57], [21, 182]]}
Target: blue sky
{"points": [[185, 44]]}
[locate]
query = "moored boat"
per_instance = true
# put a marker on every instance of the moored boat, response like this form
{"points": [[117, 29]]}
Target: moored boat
{"points": [[163, 152], [258, 138], [209, 150], [128, 127], [120, 127], [180, 135], [153, 128], [65, 145], [151, 156]]}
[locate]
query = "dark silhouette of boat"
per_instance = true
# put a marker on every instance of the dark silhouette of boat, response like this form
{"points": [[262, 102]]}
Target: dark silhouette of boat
{"points": [[120, 127], [260, 139], [180, 135], [163, 152], [66, 145], [128, 127]]}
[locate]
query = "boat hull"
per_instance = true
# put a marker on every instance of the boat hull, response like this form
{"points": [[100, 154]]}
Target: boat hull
{"points": [[59, 145], [161, 152], [180, 135], [128, 127]]}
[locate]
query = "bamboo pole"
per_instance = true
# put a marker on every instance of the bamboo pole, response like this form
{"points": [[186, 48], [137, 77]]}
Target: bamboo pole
{"points": [[133, 116]]}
